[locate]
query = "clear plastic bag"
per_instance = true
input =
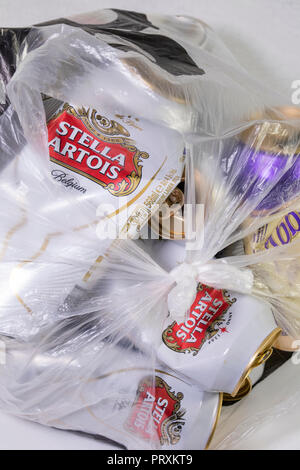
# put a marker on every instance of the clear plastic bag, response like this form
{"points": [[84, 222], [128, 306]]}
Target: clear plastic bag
{"points": [[75, 305]]}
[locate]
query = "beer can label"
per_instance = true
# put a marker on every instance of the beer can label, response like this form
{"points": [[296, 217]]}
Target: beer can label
{"points": [[110, 156]]}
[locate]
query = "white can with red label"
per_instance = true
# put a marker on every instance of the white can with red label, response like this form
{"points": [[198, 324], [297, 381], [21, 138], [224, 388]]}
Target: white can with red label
{"points": [[109, 391]]}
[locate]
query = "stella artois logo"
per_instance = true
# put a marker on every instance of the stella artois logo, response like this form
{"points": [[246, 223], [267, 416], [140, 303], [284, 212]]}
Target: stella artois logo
{"points": [[208, 309], [277, 233], [97, 148], [156, 413]]}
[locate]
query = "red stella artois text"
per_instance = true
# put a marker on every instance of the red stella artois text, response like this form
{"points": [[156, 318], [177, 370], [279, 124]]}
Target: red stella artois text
{"points": [[156, 413], [209, 305], [95, 147]]}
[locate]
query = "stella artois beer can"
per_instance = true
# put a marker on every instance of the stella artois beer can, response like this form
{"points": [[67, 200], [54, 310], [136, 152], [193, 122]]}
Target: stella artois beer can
{"points": [[285, 229], [210, 339], [111, 169], [124, 399], [244, 390], [168, 221], [166, 253]]}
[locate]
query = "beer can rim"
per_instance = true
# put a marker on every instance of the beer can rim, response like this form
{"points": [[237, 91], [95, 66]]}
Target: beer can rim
{"points": [[155, 80]]}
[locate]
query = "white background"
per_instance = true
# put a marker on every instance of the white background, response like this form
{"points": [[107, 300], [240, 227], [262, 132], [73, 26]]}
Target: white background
{"points": [[265, 37]]}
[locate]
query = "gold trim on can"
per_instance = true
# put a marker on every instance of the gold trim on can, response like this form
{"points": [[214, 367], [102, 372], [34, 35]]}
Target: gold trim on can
{"points": [[158, 222], [243, 391], [217, 417], [262, 354]]}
